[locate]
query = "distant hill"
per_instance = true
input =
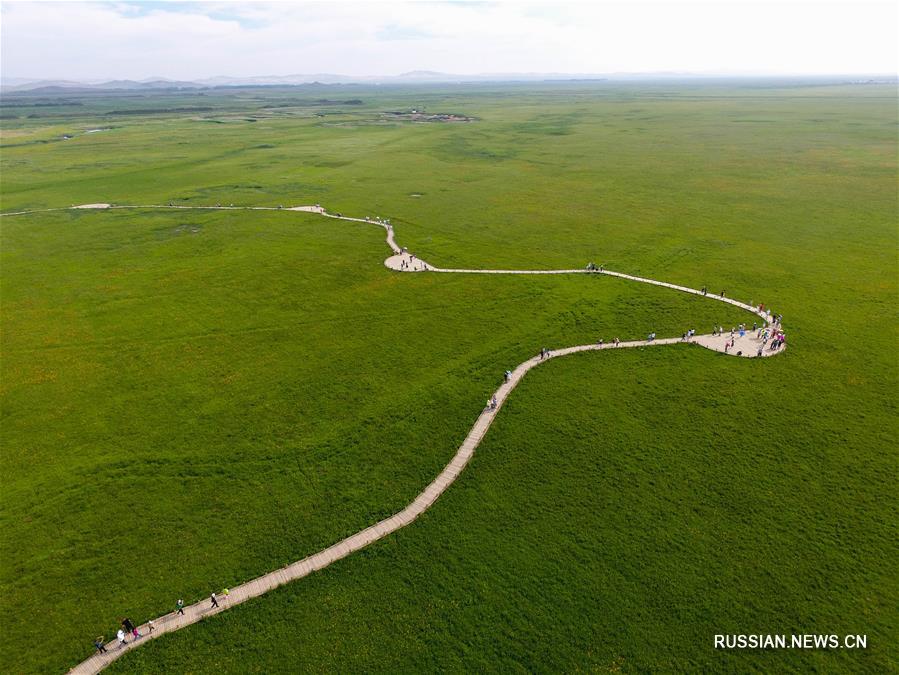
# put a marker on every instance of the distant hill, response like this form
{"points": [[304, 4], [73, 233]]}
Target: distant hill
{"points": [[415, 76], [13, 85], [56, 86]]}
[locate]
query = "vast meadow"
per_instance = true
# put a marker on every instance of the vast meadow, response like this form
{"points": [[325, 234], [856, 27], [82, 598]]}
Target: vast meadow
{"points": [[193, 398]]}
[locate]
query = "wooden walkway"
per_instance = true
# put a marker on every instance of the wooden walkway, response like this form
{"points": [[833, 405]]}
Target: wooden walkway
{"points": [[746, 346]]}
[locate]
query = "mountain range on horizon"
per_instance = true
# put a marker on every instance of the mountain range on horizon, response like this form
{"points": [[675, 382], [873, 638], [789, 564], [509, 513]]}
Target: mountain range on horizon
{"points": [[411, 77], [20, 84]]}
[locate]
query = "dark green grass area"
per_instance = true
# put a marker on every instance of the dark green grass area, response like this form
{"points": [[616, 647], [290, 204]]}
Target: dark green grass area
{"points": [[599, 527], [191, 399]]}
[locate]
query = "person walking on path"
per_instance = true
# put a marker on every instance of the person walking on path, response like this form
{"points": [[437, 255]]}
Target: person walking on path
{"points": [[150, 626], [100, 644], [215, 603], [180, 607], [226, 592], [127, 625], [121, 636]]}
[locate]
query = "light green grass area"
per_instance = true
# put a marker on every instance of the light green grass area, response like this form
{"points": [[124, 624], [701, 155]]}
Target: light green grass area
{"points": [[191, 399]]}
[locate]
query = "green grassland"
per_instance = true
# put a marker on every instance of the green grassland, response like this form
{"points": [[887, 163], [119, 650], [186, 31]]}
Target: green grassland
{"points": [[190, 399]]}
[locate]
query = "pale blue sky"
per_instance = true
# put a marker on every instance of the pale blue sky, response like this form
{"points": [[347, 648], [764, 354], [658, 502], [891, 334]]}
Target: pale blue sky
{"points": [[185, 40]]}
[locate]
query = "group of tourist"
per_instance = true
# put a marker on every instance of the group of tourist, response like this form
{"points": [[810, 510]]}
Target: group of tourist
{"points": [[128, 627], [593, 267], [777, 337], [773, 319], [407, 265], [766, 334], [410, 263], [739, 329]]}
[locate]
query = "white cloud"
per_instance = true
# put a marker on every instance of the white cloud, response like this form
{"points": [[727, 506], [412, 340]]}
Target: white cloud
{"points": [[193, 40]]}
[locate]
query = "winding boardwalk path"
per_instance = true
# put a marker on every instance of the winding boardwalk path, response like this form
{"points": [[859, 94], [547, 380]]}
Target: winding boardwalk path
{"points": [[401, 261]]}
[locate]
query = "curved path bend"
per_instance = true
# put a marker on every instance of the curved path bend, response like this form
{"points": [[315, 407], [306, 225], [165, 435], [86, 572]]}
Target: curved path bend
{"points": [[401, 261]]}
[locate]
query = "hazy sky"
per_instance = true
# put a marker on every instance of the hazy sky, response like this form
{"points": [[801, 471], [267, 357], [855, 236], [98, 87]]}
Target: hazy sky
{"points": [[187, 40]]}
